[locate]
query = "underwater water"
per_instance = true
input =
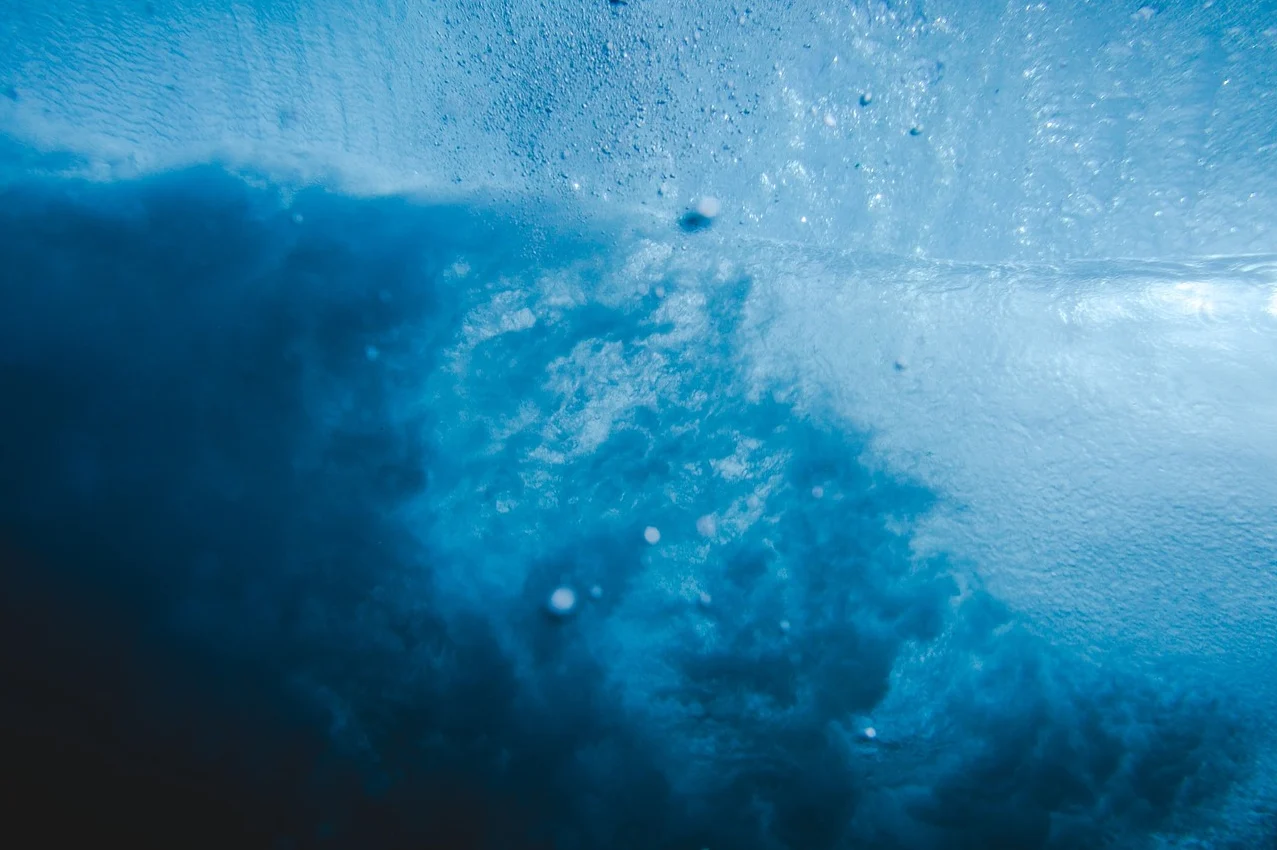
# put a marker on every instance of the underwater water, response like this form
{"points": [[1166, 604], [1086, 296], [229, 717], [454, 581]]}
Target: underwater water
{"points": [[289, 486], [383, 465]]}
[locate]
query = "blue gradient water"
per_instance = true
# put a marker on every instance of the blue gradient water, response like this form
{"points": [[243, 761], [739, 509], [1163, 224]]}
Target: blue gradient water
{"points": [[312, 473], [864, 549]]}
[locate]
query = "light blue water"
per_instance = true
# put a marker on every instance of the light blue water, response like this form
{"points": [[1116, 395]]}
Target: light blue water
{"points": [[860, 548]]}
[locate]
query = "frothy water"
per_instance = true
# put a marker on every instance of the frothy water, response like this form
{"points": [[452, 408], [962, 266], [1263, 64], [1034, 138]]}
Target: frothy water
{"points": [[463, 525]]}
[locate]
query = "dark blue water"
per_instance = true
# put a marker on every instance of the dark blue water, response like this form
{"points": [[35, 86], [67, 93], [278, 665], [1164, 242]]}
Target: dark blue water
{"points": [[279, 518]]}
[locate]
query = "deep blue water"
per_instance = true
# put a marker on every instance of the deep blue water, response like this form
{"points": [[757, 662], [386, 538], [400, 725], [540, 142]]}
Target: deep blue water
{"points": [[280, 512]]}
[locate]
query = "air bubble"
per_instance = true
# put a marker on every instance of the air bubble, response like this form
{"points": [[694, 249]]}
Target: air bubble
{"points": [[702, 215], [562, 601], [709, 206]]}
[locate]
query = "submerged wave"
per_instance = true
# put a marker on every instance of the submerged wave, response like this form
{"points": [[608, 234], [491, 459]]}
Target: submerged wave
{"points": [[445, 524]]}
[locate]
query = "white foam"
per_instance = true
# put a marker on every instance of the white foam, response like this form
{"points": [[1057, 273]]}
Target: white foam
{"points": [[1100, 436], [294, 92]]}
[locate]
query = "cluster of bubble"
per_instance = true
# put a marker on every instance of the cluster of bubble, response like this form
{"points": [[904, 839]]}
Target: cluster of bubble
{"points": [[957, 131], [757, 576]]}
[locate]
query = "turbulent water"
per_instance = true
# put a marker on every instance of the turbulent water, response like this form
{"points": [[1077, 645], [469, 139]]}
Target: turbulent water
{"points": [[864, 552], [1020, 131], [382, 465]]}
